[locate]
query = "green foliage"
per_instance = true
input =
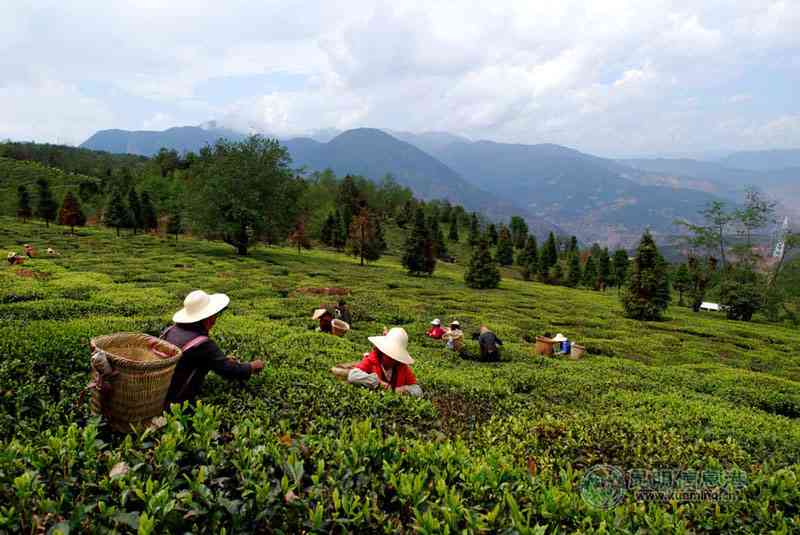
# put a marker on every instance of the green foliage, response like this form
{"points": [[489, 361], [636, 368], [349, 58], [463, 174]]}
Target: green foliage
{"points": [[549, 256], [149, 217], [647, 294], [46, 207], [491, 448], [452, 235], [620, 265], [419, 257], [117, 214], [741, 291], [482, 272], [491, 234], [71, 215], [244, 192], [574, 272], [363, 240], [603, 269], [528, 259], [474, 230], [519, 232], [505, 248], [700, 276], [24, 210], [681, 282], [135, 214], [439, 244], [589, 277], [175, 224]]}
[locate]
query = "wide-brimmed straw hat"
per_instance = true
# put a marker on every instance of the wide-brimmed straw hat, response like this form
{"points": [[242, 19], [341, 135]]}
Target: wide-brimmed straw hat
{"points": [[394, 344], [437, 321], [318, 313], [199, 305], [456, 323], [12, 254], [560, 338]]}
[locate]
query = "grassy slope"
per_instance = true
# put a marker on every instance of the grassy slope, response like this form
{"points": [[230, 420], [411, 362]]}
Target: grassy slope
{"points": [[694, 391]]}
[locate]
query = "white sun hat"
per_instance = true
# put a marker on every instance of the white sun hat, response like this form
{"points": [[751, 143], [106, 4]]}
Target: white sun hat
{"points": [[394, 344], [437, 321], [456, 323], [12, 254], [199, 305], [560, 338], [318, 313]]}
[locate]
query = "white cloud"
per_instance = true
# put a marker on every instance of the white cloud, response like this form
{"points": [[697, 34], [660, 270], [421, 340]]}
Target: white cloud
{"points": [[605, 76]]}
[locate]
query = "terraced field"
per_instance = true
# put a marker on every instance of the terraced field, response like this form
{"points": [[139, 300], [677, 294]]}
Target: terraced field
{"points": [[491, 448]]}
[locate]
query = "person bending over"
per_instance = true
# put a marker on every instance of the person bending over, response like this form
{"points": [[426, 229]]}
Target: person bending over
{"points": [[388, 365]]}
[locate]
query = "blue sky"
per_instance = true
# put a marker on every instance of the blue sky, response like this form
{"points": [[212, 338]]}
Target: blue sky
{"points": [[606, 76]]}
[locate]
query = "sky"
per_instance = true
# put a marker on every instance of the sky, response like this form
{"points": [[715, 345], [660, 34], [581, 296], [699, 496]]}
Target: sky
{"points": [[610, 77]]}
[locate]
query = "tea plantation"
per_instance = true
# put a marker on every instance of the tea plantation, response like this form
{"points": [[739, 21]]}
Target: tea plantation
{"points": [[490, 448]]}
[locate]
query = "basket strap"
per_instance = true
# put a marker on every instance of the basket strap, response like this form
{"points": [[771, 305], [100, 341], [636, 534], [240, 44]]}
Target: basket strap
{"points": [[194, 342]]}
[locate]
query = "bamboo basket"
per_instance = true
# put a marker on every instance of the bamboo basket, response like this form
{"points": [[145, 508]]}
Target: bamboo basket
{"points": [[341, 371], [143, 366], [339, 327], [544, 346], [577, 351]]}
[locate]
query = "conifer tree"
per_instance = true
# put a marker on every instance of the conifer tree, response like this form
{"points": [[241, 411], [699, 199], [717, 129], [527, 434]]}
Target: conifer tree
{"points": [[646, 295], [603, 269], [46, 207], [474, 230], [70, 214], [505, 249], [329, 228], [406, 214], [453, 234], [549, 256], [149, 217], [439, 244], [556, 274], [573, 245], [116, 214], [379, 240], [574, 274], [589, 278], [24, 210], [340, 234], [519, 232], [529, 252], [135, 210], [419, 257], [298, 236], [175, 224], [681, 282], [482, 272], [491, 234], [620, 267], [362, 240]]}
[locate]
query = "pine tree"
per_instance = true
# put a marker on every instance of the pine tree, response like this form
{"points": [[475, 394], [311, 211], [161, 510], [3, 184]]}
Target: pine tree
{"points": [[135, 210], [574, 274], [681, 282], [529, 252], [379, 239], [474, 230], [46, 208], [573, 245], [491, 235], [24, 211], [482, 272], [439, 244], [175, 224], [620, 267], [362, 240], [603, 269], [505, 249], [149, 217], [328, 230], [116, 214], [647, 294], [406, 214], [519, 232], [453, 234], [419, 257], [556, 274], [340, 233], [589, 278], [549, 256], [70, 214]]}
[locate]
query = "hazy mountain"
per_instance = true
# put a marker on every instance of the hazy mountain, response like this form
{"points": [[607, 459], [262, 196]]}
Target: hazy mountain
{"points": [[595, 198], [429, 142], [148, 142], [763, 160], [373, 153]]}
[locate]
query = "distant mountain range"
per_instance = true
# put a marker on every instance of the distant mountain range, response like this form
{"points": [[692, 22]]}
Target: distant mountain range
{"points": [[554, 187]]}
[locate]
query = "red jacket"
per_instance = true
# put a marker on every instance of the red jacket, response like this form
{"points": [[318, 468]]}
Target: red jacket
{"points": [[401, 376], [435, 332]]}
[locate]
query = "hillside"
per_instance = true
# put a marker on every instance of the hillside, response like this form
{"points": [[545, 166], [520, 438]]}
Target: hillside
{"points": [[594, 198], [491, 448], [763, 160], [14, 173], [147, 143], [373, 153]]}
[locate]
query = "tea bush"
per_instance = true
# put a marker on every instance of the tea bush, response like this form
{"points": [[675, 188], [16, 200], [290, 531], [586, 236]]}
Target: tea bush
{"points": [[490, 448]]}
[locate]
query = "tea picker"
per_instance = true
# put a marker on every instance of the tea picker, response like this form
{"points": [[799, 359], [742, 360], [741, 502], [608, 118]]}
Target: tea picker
{"points": [[387, 366]]}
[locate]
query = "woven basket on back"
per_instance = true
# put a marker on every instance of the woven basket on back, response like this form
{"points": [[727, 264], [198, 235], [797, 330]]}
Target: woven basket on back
{"points": [[143, 367], [339, 327], [544, 345]]}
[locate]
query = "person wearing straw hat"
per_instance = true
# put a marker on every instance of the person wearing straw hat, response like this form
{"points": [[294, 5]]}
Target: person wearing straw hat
{"points": [[388, 365], [488, 342], [454, 337], [342, 312], [436, 331], [325, 318], [190, 332], [563, 343], [29, 251]]}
